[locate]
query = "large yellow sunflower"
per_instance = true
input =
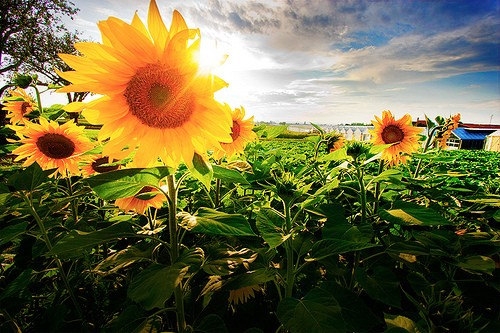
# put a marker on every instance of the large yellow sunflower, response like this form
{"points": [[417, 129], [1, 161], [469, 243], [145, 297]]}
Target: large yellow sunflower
{"points": [[18, 105], [52, 146], [148, 196], [400, 133], [155, 98], [241, 134]]}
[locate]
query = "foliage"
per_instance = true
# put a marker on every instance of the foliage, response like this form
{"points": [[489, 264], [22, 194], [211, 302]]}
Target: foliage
{"points": [[425, 260]]}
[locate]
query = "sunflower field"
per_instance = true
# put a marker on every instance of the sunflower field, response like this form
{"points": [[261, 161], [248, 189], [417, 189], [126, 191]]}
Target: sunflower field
{"points": [[162, 209]]}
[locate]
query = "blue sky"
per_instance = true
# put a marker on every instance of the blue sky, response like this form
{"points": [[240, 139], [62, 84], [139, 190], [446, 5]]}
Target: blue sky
{"points": [[331, 62]]}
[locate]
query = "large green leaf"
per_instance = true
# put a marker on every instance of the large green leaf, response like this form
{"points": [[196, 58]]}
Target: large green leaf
{"points": [[381, 284], [155, 284], [408, 213], [329, 247], [127, 182], [212, 222], [30, 178], [357, 315], [76, 241], [478, 264], [317, 312], [11, 232], [202, 170], [229, 175], [210, 324], [270, 222]]}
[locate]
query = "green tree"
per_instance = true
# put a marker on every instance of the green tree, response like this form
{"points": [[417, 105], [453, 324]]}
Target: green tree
{"points": [[31, 36]]}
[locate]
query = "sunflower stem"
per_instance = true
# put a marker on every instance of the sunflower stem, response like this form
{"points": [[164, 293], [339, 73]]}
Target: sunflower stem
{"points": [[362, 193], [174, 251], [74, 206], [48, 243], [377, 187], [38, 98], [290, 267]]}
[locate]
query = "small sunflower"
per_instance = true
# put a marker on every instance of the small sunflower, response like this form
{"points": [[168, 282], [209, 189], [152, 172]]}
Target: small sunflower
{"points": [[99, 164], [242, 295], [400, 133], [444, 134], [148, 196], [335, 142], [155, 97], [241, 134], [52, 146], [18, 105]]}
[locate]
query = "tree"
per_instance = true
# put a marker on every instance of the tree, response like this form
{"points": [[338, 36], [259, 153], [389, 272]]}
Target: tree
{"points": [[31, 36]]}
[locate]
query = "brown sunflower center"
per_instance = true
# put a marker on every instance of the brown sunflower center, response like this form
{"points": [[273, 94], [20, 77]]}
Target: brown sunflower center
{"points": [[25, 107], [55, 146], [99, 165], [159, 97], [235, 131], [392, 134]]}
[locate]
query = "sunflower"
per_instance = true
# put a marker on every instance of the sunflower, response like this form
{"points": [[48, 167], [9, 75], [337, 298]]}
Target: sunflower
{"points": [[52, 146], [154, 96], [99, 164], [242, 295], [400, 133], [148, 196], [241, 134], [335, 142], [18, 105], [444, 134]]}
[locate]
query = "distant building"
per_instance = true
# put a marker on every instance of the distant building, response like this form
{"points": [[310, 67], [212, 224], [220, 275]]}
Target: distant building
{"points": [[471, 136]]}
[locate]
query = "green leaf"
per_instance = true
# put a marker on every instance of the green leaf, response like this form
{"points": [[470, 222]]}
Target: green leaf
{"points": [[381, 284], [408, 213], [477, 264], [127, 182], [229, 175], [123, 258], [317, 312], [329, 247], [357, 315], [250, 278], [18, 286], [11, 232], [201, 170], [77, 241], [271, 132], [337, 155], [400, 324], [155, 284], [211, 324], [223, 261], [211, 222], [270, 222], [30, 178], [490, 200], [388, 175]]}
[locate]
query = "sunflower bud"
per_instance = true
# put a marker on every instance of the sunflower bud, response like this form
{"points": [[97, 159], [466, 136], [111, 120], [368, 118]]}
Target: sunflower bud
{"points": [[23, 80]]}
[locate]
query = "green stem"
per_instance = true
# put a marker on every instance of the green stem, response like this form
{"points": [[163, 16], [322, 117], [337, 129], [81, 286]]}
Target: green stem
{"points": [[377, 187], [362, 194], [48, 243], [74, 204], [38, 99], [218, 184], [174, 251], [290, 267]]}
